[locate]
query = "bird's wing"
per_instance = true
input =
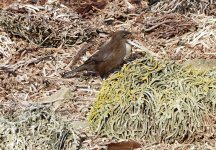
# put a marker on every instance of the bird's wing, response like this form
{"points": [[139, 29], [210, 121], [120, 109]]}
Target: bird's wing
{"points": [[102, 55], [99, 57]]}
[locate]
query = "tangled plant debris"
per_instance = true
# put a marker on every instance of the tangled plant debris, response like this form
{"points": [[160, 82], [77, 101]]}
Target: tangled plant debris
{"points": [[38, 129], [186, 6], [47, 31], [157, 101], [195, 37], [168, 26], [40, 40]]}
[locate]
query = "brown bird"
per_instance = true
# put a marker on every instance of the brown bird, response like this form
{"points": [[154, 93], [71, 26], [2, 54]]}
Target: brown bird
{"points": [[109, 56]]}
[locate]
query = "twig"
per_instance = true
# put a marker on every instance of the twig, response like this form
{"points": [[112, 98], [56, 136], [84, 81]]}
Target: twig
{"points": [[13, 68], [37, 60], [80, 53], [138, 45], [210, 53], [8, 69], [59, 79], [157, 25], [130, 6], [156, 20]]}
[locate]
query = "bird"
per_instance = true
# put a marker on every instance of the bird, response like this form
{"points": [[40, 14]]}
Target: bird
{"points": [[110, 55]]}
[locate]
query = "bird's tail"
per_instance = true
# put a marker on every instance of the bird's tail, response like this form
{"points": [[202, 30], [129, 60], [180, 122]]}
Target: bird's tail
{"points": [[69, 74]]}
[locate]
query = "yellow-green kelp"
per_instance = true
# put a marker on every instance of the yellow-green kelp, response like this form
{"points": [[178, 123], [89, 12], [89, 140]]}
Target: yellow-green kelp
{"points": [[157, 101]]}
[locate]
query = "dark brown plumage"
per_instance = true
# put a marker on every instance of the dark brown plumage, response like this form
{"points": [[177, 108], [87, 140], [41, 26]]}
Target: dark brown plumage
{"points": [[109, 56]]}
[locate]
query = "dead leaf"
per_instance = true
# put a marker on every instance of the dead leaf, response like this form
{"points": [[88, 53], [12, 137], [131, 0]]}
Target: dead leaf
{"points": [[85, 8], [124, 145]]}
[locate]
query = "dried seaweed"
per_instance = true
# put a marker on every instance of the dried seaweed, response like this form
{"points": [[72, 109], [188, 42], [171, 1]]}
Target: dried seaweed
{"points": [[6, 48], [60, 26], [168, 26], [47, 31], [195, 41], [37, 129], [207, 7], [157, 101]]}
